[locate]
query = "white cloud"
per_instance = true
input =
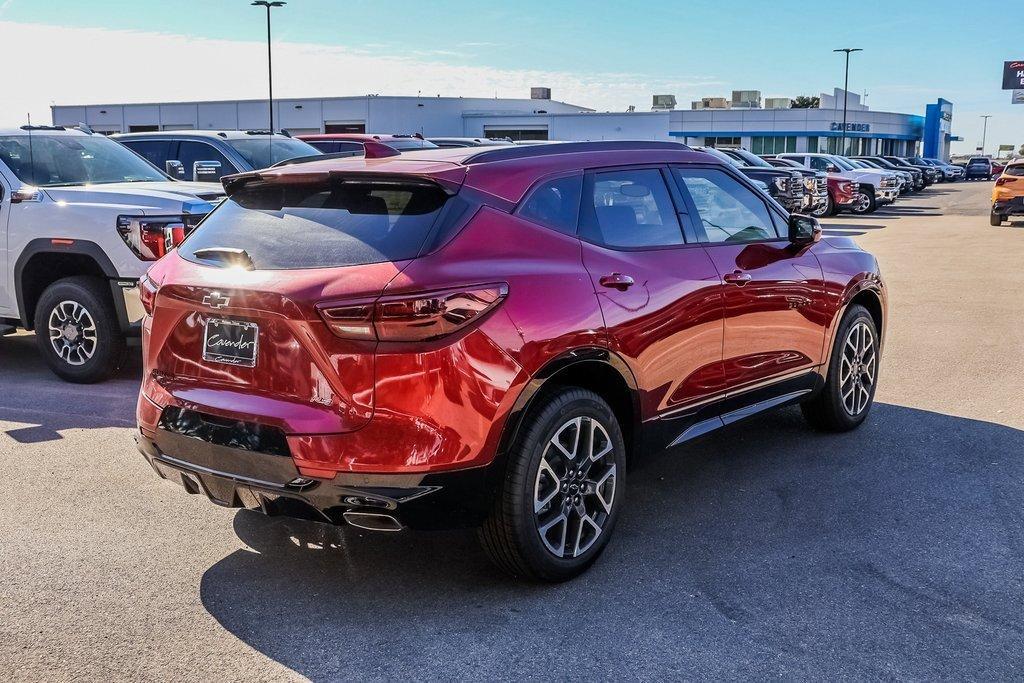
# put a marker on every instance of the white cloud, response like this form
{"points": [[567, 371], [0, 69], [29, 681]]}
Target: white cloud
{"points": [[71, 65]]}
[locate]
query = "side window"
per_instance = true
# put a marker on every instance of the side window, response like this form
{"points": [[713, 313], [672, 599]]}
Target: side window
{"points": [[156, 152], [819, 163], [728, 211], [632, 209], [190, 152], [555, 204]]}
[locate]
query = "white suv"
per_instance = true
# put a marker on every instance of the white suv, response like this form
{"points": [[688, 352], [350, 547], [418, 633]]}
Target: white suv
{"points": [[82, 217]]}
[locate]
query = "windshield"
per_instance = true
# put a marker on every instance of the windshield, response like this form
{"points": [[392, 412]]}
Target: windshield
{"points": [[1014, 170], [844, 164], [263, 151], [55, 160], [721, 156], [751, 159], [978, 160]]}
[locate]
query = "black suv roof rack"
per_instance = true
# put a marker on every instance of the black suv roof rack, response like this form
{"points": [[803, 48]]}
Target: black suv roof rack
{"points": [[43, 128], [268, 132], [525, 152]]}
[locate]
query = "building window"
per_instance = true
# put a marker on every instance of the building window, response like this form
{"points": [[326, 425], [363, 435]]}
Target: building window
{"points": [[722, 143], [812, 144], [772, 145], [344, 127], [142, 129], [516, 134]]}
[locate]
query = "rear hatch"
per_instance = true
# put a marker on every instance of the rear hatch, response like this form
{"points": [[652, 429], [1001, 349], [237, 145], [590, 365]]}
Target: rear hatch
{"points": [[262, 311]]}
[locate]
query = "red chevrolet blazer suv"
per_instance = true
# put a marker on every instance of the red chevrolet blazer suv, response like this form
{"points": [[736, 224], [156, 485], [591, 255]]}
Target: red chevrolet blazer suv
{"points": [[488, 337]]}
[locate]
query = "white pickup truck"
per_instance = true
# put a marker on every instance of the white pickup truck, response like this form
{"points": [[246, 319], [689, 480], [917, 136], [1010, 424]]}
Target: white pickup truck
{"points": [[81, 219]]}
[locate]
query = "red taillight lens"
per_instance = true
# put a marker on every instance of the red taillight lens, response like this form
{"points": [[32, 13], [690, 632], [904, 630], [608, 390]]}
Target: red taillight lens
{"points": [[420, 317], [1005, 179], [147, 293], [151, 238]]}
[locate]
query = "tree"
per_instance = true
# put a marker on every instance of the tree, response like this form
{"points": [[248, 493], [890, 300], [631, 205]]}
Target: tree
{"points": [[806, 102]]}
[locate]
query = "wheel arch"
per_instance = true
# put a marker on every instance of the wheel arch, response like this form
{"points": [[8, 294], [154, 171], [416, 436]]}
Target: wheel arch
{"points": [[43, 262], [593, 368]]}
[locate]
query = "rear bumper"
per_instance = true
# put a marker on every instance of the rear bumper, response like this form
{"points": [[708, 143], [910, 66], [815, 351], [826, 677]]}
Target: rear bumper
{"points": [[237, 478], [1009, 207]]}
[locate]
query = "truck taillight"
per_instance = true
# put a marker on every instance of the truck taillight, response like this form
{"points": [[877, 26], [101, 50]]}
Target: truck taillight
{"points": [[152, 237], [147, 293], [418, 317]]}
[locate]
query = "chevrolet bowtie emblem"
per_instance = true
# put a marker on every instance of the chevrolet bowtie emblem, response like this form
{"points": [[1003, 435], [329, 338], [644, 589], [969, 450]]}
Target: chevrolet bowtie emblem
{"points": [[215, 300]]}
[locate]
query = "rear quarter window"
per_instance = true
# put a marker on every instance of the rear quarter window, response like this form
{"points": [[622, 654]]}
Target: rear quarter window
{"points": [[321, 226]]}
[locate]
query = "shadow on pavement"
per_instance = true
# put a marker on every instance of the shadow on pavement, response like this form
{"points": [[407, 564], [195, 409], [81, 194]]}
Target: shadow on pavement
{"points": [[768, 550], [53, 404]]}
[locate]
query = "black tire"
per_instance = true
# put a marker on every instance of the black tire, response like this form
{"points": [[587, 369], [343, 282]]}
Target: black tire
{"points": [[995, 219], [827, 410], [828, 210], [872, 205], [79, 361], [511, 535]]}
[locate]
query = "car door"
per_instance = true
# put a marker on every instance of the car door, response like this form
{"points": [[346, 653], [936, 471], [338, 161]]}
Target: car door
{"points": [[156, 151], [659, 294], [772, 290], [191, 151]]}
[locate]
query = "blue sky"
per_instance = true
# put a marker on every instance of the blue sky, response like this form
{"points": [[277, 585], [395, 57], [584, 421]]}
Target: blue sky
{"points": [[615, 52]]}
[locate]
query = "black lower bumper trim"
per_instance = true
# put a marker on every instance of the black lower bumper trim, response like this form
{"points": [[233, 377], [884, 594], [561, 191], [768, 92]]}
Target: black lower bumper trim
{"points": [[238, 478]]}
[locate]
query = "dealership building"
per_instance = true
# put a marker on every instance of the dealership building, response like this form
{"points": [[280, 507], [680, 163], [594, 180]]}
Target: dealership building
{"points": [[714, 121]]}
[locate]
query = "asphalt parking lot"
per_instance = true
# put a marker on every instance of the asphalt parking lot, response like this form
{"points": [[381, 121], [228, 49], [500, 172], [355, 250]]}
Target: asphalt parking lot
{"points": [[896, 551]]}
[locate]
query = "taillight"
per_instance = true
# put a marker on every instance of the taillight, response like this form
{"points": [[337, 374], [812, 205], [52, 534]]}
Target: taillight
{"points": [[147, 293], [418, 317], [1005, 179], [152, 237]]}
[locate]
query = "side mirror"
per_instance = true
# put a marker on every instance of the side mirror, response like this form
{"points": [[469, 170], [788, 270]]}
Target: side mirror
{"points": [[175, 169], [206, 171], [803, 229]]}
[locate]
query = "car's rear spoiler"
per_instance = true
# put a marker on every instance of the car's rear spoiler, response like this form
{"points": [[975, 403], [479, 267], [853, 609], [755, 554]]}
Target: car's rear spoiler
{"points": [[450, 182]]}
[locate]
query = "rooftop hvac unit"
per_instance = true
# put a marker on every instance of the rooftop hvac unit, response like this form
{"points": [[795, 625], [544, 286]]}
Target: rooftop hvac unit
{"points": [[540, 93], [664, 102]]}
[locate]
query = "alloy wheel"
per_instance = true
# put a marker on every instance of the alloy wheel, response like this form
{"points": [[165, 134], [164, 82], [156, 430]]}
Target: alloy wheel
{"points": [[858, 368], [861, 203], [574, 489], [72, 332]]}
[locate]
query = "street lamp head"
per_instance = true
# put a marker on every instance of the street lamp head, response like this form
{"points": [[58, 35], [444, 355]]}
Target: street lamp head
{"points": [[848, 50], [268, 5]]}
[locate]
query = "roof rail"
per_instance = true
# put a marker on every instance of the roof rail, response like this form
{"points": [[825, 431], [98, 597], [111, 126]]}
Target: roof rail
{"points": [[519, 152], [43, 128]]}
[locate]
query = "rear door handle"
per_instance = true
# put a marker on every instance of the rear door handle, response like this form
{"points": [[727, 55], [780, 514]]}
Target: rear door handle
{"points": [[738, 278], [617, 281]]}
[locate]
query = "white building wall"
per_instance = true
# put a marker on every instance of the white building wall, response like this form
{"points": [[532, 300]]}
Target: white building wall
{"points": [[427, 115], [579, 127]]}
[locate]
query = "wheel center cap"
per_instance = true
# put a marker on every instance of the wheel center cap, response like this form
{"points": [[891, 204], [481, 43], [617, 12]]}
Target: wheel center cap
{"points": [[70, 332]]}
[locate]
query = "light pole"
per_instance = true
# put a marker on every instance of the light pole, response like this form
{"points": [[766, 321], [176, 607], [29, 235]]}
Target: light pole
{"points": [[984, 130], [270, 64], [846, 87]]}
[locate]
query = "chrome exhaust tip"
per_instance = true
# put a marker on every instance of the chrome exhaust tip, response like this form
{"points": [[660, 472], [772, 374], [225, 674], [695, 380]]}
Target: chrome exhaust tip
{"points": [[373, 521]]}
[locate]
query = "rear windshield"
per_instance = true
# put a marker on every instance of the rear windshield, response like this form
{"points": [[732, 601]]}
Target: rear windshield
{"points": [[1014, 170], [321, 225]]}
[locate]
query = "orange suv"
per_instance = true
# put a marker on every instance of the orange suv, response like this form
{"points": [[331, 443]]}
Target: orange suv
{"points": [[1008, 194]]}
